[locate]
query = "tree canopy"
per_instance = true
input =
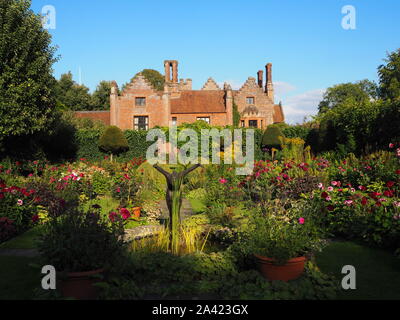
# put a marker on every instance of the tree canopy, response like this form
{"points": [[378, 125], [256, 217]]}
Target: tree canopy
{"points": [[360, 92], [389, 76], [26, 81], [72, 96], [101, 96]]}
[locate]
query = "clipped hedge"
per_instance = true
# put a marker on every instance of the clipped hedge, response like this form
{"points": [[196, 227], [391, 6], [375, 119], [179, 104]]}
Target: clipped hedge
{"points": [[87, 143]]}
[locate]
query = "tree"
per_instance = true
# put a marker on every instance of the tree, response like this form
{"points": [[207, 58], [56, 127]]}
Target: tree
{"points": [[113, 141], [26, 81], [389, 77], [101, 96], [156, 79], [360, 91], [72, 96]]}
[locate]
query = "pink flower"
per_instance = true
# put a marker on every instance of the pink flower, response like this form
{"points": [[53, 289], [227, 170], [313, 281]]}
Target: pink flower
{"points": [[328, 198], [396, 204], [113, 215], [334, 183], [348, 202], [321, 186], [330, 189], [118, 189], [353, 190], [302, 220], [391, 145], [125, 214], [20, 202], [223, 181]]}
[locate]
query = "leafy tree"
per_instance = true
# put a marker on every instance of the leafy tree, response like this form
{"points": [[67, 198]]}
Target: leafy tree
{"points": [[101, 96], [26, 81], [113, 141], [360, 91], [72, 96], [154, 77], [389, 76]]}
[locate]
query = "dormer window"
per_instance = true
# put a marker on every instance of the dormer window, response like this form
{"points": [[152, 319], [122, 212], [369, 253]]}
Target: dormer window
{"points": [[250, 100], [140, 102]]}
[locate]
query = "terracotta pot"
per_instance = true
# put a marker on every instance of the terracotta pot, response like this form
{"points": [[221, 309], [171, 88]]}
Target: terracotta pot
{"points": [[293, 268], [136, 212], [79, 285]]}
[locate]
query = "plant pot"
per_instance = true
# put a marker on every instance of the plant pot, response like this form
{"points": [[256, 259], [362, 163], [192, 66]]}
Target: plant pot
{"points": [[293, 268], [136, 212], [79, 285]]}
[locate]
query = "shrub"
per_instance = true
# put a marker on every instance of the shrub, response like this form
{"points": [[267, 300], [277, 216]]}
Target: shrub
{"points": [[271, 138], [113, 141], [77, 242]]}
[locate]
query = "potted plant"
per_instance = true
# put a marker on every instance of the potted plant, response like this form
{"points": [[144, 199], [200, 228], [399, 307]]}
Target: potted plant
{"points": [[81, 246], [281, 243]]}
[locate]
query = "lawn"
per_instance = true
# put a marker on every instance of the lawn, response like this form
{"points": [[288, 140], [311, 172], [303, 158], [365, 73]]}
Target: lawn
{"points": [[377, 271], [18, 279]]}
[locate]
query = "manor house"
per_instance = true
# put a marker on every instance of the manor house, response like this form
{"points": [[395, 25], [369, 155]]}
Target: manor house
{"points": [[140, 106]]}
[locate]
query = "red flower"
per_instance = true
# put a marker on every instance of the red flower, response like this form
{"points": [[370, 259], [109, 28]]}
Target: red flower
{"points": [[35, 218], [388, 193], [378, 204], [324, 195], [390, 184], [398, 171], [113, 216], [364, 201], [330, 208]]}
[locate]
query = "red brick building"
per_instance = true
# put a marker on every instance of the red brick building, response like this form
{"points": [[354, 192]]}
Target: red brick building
{"points": [[141, 106]]}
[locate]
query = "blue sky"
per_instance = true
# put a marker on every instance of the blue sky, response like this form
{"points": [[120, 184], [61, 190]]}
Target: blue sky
{"points": [[227, 40]]}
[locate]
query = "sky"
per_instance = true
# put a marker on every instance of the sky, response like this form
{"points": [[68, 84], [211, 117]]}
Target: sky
{"points": [[228, 41]]}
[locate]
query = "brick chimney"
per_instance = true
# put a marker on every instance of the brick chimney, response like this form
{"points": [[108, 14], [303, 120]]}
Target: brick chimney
{"points": [[260, 76], [269, 87]]}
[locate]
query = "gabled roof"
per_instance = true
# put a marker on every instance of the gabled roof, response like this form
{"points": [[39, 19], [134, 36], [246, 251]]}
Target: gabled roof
{"points": [[194, 101], [139, 83], [211, 85]]}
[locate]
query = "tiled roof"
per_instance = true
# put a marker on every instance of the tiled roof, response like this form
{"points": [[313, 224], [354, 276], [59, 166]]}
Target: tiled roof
{"points": [[278, 114], [199, 102]]}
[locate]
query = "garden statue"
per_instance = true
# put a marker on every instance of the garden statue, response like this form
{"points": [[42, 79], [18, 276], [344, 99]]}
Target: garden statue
{"points": [[174, 202]]}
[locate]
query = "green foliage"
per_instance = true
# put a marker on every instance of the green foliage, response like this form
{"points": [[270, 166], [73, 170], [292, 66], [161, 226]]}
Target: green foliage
{"points": [[283, 234], [208, 275], [236, 115], [101, 96], [154, 77], [26, 81], [271, 137], [360, 92], [297, 131], [77, 242], [72, 96], [113, 141], [389, 77]]}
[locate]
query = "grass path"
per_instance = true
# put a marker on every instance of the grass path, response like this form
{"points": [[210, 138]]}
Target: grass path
{"points": [[377, 271]]}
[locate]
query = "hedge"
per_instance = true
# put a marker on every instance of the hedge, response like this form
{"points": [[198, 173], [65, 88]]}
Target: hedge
{"points": [[87, 140]]}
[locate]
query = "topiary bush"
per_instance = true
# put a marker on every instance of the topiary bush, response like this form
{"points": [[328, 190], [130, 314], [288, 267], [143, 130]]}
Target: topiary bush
{"points": [[113, 141], [271, 138]]}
